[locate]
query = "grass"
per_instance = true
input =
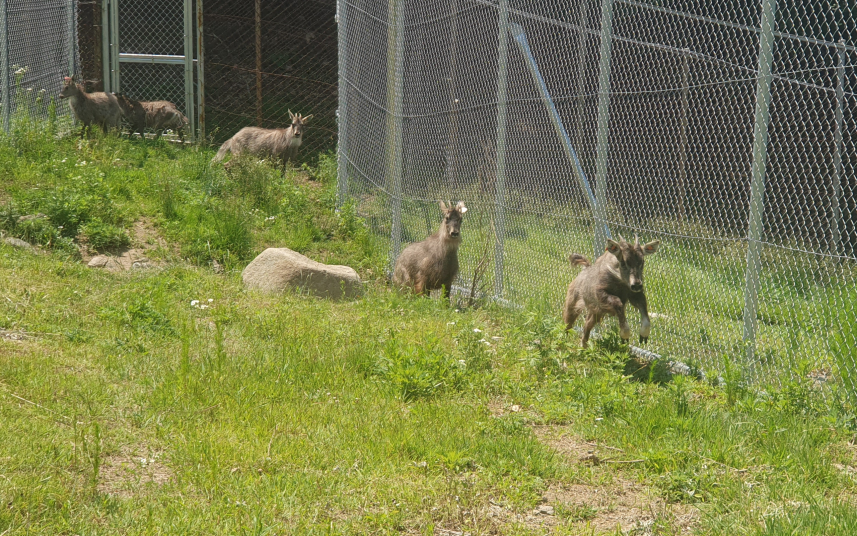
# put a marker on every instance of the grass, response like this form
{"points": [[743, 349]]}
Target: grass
{"points": [[174, 401]]}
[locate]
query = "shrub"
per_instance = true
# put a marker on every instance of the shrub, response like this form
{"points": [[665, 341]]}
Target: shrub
{"points": [[101, 236]]}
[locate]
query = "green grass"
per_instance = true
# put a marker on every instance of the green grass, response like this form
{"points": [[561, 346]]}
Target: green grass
{"points": [[131, 404]]}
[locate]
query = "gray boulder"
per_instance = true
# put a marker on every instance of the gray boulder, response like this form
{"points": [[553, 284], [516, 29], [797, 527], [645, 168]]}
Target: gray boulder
{"points": [[277, 269], [99, 261], [17, 242]]}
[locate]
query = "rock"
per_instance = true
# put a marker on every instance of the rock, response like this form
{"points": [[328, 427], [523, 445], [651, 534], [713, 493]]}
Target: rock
{"points": [[216, 266], [17, 242], [277, 269], [99, 261], [545, 510]]}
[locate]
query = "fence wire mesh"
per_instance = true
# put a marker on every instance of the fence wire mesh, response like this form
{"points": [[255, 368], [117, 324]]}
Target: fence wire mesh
{"points": [[722, 129], [266, 57], [37, 49]]}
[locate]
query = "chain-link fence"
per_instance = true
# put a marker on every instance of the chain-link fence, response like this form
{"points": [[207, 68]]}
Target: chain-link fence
{"points": [[37, 49], [722, 129], [266, 57]]}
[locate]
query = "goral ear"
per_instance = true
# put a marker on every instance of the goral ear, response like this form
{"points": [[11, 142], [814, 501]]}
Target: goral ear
{"points": [[613, 247], [460, 207], [443, 206], [651, 247]]}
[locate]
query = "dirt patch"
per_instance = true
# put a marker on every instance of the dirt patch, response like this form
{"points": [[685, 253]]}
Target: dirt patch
{"points": [[302, 178], [498, 408], [575, 448], [616, 503], [145, 240], [622, 504], [131, 471], [15, 335]]}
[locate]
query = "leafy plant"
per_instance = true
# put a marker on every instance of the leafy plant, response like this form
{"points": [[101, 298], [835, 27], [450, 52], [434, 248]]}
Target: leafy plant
{"points": [[103, 236], [419, 371]]}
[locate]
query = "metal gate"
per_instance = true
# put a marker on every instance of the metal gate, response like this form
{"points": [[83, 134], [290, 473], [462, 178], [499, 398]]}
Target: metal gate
{"points": [[153, 50]]}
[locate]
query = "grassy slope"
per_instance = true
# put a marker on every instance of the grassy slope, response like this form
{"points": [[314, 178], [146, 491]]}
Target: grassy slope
{"points": [[292, 415]]}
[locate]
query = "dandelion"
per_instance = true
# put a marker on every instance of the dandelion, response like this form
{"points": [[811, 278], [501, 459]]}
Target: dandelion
{"points": [[210, 300], [194, 303], [477, 330]]}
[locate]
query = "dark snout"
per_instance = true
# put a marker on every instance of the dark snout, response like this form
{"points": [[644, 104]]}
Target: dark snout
{"points": [[636, 286], [454, 234]]}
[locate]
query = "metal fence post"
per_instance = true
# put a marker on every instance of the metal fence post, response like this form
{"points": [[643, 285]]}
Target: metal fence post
{"points": [[5, 67], [259, 112], [502, 111], [188, 67], [342, 112], [757, 186], [682, 155], [602, 136], [114, 46], [395, 58], [72, 38], [200, 69], [836, 203], [106, 64]]}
